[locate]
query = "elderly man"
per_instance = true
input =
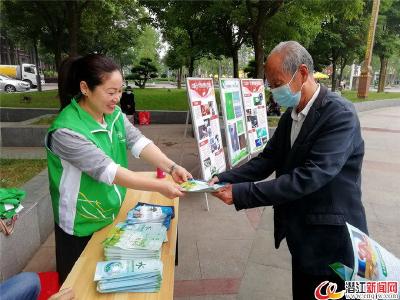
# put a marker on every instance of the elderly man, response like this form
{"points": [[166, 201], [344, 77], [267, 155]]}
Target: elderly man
{"points": [[316, 152]]}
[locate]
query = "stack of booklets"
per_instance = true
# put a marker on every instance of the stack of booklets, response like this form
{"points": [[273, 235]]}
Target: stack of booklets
{"points": [[142, 275], [133, 251], [150, 213], [135, 241]]}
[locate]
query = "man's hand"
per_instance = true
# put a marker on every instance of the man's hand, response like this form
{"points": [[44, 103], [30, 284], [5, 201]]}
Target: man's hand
{"points": [[180, 174], [213, 180], [225, 194]]}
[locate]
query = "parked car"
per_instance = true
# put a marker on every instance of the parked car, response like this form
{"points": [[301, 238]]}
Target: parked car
{"points": [[10, 85]]}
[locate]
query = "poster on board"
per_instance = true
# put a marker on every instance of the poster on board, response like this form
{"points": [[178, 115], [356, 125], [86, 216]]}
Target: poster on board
{"points": [[234, 119], [256, 113], [207, 130]]}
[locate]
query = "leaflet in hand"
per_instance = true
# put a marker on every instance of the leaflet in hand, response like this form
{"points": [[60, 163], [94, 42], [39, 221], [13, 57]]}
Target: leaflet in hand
{"points": [[371, 260], [200, 186], [150, 213], [142, 275]]}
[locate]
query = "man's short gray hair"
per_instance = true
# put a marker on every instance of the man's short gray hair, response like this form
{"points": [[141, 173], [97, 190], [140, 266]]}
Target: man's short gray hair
{"points": [[294, 55]]}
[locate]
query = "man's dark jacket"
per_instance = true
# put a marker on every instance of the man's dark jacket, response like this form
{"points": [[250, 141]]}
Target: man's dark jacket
{"points": [[317, 187]]}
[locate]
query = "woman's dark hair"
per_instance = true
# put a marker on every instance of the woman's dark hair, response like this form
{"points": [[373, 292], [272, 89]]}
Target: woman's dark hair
{"points": [[91, 68]]}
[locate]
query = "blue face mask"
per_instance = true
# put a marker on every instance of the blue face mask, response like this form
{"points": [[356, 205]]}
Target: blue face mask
{"points": [[283, 95]]}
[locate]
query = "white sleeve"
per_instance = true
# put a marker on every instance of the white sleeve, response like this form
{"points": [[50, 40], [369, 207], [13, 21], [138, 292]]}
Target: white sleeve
{"points": [[136, 141]]}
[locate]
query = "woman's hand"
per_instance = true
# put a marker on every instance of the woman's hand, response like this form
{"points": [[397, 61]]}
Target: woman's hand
{"points": [[180, 174], [170, 190]]}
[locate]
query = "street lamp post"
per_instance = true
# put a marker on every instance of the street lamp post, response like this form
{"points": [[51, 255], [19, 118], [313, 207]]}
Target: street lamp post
{"points": [[366, 70]]}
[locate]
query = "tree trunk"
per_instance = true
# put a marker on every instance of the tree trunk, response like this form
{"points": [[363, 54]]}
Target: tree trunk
{"points": [[342, 66], [57, 54], [334, 79], [179, 78], [73, 16], [382, 74], [38, 79], [191, 67], [13, 59], [8, 53], [259, 53], [235, 60]]}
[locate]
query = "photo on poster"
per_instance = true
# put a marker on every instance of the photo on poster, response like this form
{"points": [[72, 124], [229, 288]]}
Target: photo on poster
{"points": [[236, 98], [210, 104], [261, 132], [242, 141], [234, 137], [205, 110], [202, 132], [209, 131], [217, 143], [249, 112], [238, 111], [240, 127], [207, 124], [207, 162], [253, 120], [258, 142], [230, 113], [257, 100]]}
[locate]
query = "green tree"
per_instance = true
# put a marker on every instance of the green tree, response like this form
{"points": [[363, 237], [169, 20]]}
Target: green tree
{"points": [[73, 14], [175, 61], [387, 37], [72, 27], [250, 69], [342, 36], [227, 25], [114, 34], [143, 72], [258, 13], [147, 45], [40, 20], [188, 19]]}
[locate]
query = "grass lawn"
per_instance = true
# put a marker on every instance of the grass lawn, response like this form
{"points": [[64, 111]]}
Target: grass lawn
{"points": [[147, 99], [15, 172], [352, 96], [45, 99]]}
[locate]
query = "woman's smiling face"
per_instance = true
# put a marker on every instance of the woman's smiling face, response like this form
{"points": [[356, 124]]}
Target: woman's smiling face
{"points": [[104, 97]]}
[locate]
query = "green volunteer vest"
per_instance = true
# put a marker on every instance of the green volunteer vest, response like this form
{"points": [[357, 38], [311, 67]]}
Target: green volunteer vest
{"points": [[81, 204]]}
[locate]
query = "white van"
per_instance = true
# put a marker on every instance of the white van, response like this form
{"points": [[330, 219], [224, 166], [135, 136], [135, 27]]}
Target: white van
{"points": [[25, 72]]}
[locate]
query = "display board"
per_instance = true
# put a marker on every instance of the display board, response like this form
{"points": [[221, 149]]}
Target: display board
{"points": [[207, 130], [234, 119], [256, 113]]}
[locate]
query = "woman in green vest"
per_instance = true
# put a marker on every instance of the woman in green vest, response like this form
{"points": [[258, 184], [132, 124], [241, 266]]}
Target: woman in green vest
{"points": [[87, 156]]}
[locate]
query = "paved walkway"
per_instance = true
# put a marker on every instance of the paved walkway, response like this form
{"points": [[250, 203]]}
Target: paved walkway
{"points": [[224, 254]]}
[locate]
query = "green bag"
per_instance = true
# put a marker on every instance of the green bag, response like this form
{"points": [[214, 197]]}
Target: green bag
{"points": [[10, 202]]}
